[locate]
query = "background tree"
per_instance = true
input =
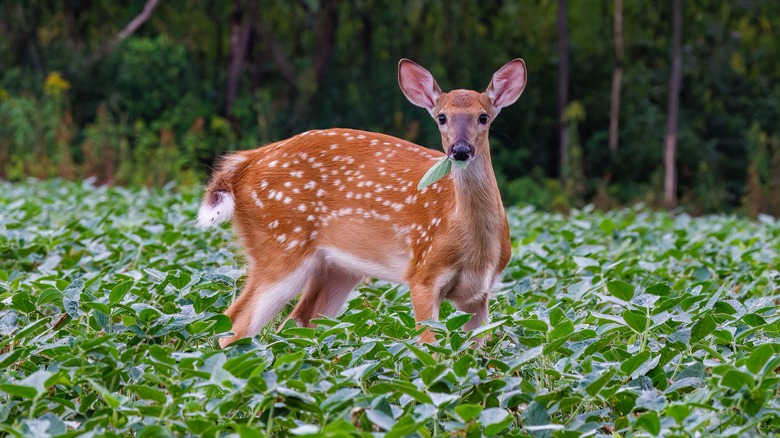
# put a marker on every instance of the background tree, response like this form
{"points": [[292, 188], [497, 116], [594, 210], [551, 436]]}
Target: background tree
{"points": [[200, 78], [563, 89], [617, 75], [670, 145]]}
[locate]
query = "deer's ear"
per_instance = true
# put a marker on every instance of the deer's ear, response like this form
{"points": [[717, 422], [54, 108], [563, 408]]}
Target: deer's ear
{"points": [[418, 84], [507, 85]]}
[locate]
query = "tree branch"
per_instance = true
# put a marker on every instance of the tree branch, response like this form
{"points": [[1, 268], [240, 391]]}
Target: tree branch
{"points": [[139, 20]]}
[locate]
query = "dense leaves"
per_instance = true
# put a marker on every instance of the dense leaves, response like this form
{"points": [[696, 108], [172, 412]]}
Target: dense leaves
{"points": [[155, 108], [630, 322]]}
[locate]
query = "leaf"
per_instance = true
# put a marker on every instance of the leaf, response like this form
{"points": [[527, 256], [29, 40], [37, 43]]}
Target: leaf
{"points": [[37, 380], [424, 357], [109, 398], [462, 164], [486, 328], [737, 380], [563, 330], [439, 398], [154, 431], [71, 298], [703, 327], [621, 290], [358, 373], [585, 262], [758, 357], [650, 422], [636, 320], [533, 324], [381, 419], [49, 296], [595, 387], [148, 393], [343, 395], [525, 357], [659, 289], [435, 173], [119, 291], [536, 415], [181, 280], [494, 420], [653, 400], [467, 412], [634, 362], [457, 320]]}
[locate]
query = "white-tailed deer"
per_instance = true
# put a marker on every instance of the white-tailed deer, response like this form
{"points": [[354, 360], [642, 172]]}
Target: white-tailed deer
{"points": [[320, 211]]}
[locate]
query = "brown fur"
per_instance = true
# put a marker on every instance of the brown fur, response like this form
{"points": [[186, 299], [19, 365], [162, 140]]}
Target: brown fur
{"points": [[321, 210]]}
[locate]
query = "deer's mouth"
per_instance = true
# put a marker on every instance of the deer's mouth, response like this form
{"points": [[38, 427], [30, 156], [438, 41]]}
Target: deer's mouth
{"points": [[461, 151]]}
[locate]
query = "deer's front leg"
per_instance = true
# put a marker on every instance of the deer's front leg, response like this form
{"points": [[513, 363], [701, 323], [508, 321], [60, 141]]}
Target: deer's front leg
{"points": [[479, 307], [425, 301]]}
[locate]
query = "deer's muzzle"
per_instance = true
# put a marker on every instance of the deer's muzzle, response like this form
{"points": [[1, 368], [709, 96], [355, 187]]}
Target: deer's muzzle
{"points": [[461, 151]]}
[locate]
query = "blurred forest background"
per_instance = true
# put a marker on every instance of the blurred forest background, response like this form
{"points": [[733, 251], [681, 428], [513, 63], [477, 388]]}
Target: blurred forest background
{"points": [[143, 92]]}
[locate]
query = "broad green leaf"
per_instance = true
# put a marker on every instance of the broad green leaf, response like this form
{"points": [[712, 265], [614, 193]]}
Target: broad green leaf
{"points": [[154, 431], [462, 164], [703, 327], [424, 357], [466, 412], [533, 324], [50, 296], [494, 420], [738, 380], [435, 173], [119, 291], [634, 362], [650, 422], [457, 321], [758, 357], [621, 290], [71, 298], [636, 320], [381, 419], [597, 385]]}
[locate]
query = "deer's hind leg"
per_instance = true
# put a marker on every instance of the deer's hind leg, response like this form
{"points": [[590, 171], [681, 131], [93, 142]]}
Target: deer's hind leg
{"points": [[325, 294], [265, 294]]}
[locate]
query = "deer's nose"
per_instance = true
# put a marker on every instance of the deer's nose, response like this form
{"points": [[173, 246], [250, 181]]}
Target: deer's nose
{"points": [[461, 151]]}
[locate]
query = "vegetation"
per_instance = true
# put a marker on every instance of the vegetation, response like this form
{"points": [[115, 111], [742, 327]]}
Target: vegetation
{"points": [[629, 322], [88, 90]]}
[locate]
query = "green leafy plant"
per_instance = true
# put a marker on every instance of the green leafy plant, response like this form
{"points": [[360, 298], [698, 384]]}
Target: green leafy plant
{"points": [[631, 323]]}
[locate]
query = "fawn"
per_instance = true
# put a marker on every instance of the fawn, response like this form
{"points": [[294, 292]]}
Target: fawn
{"points": [[318, 212]]}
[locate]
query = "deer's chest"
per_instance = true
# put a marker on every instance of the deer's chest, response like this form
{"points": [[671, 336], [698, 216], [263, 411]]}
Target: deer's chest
{"points": [[475, 261]]}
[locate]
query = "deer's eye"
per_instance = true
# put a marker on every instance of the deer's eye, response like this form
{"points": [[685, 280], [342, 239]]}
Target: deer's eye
{"points": [[442, 119], [483, 119]]}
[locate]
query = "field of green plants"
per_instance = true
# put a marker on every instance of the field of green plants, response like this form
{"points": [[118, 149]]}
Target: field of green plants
{"points": [[627, 323]]}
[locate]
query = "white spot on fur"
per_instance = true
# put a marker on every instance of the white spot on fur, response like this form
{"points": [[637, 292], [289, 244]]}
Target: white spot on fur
{"points": [[257, 200]]}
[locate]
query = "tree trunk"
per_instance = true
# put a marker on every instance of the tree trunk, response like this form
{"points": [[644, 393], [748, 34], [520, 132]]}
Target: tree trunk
{"points": [[563, 88], [617, 76], [240, 29], [670, 146]]}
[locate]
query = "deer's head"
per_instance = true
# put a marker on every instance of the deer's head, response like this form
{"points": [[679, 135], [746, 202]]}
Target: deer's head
{"points": [[463, 116]]}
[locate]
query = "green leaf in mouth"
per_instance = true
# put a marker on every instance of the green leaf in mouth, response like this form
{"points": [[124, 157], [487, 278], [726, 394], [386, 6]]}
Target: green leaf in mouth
{"points": [[439, 171]]}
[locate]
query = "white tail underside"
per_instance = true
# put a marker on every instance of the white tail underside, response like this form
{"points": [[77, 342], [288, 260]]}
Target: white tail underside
{"points": [[212, 215]]}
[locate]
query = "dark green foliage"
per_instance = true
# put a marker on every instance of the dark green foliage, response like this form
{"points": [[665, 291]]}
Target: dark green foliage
{"points": [[630, 321], [153, 109]]}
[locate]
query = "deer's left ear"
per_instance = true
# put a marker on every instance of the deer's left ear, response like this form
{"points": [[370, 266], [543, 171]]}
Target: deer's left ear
{"points": [[507, 85]]}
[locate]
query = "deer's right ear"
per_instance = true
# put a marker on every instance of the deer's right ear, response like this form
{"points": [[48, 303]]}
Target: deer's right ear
{"points": [[418, 84]]}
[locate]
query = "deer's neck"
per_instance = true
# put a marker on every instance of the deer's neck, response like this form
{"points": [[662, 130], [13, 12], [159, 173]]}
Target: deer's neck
{"points": [[477, 199]]}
